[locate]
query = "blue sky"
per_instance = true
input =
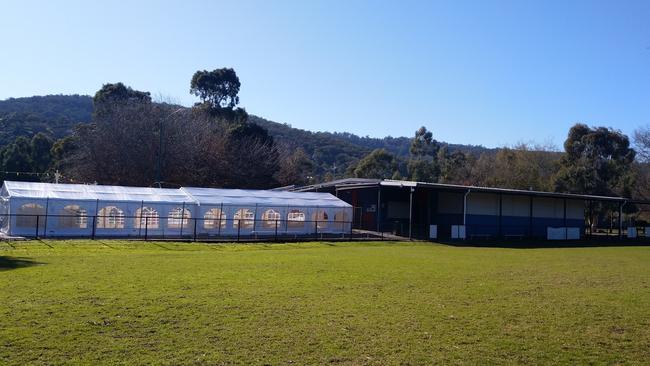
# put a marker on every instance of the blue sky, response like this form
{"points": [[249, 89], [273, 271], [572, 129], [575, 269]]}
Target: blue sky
{"points": [[483, 72]]}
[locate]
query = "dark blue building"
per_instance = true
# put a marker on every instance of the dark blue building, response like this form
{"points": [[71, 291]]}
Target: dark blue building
{"points": [[444, 211]]}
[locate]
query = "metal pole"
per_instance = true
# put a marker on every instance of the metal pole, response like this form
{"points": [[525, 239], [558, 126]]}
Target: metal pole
{"points": [[500, 216], [530, 217], [221, 215], [238, 228], [286, 222], [620, 220], [566, 230], [146, 228], [47, 211], [255, 218], [378, 207], [194, 237], [37, 219], [410, 213], [591, 218], [182, 219], [140, 218], [160, 150], [94, 226]]}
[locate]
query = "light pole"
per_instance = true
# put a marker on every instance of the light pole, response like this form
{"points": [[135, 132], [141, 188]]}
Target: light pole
{"points": [[160, 147]]}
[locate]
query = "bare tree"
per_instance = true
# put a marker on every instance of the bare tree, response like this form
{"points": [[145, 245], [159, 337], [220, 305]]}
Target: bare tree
{"points": [[642, 143]]}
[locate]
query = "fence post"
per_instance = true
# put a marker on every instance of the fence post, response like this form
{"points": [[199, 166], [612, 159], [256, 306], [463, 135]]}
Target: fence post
{"points": [[195, 219], [37, 220], [94, 226], [146, 227], [316, 227], [219, 227], [276, 229], [238, 228]]}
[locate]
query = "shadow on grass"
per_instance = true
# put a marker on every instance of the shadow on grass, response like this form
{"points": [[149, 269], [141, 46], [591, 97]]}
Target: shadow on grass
{"points": [[538, 244], [8, 263]]}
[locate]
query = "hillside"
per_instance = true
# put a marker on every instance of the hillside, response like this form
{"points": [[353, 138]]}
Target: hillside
{"points": [[332, 153]]}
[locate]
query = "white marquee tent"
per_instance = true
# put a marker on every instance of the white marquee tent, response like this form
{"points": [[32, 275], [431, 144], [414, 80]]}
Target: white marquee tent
{"points": [[66, 210]]}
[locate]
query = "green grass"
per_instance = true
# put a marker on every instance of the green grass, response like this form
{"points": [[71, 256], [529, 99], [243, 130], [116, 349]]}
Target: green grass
{"points": [[83, 302]]}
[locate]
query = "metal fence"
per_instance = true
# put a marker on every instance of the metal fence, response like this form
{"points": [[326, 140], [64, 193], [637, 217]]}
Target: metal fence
{"points": [[174, 228]]}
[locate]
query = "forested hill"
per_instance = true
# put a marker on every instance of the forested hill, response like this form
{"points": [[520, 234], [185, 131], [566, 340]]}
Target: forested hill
{"points": [[57, 114], [52, 114]]}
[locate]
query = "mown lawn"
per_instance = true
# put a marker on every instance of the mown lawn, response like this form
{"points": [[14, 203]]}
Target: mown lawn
{"points": [[83, 302]]}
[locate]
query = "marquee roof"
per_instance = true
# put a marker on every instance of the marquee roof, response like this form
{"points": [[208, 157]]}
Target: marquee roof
{"points": [[191, 195], [93, 192], [267, 198]]}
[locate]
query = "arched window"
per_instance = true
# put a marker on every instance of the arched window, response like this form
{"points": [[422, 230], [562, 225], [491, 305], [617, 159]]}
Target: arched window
{"points": [[147, 218], [341, 219], [271, 219], [110, 217], [321, 218], [295, 219], [178, 217], [27, 214], [73, 217], [246, 217], [213, 218]]}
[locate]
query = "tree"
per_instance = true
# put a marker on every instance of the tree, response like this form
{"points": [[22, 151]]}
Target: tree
{"points": [[119, 93], [16, 158], [423, 143], [41, 155], [62, 150], [596, 161], [453, 166], [642, 143], [422, 166], [219, 88], [295, 167], [379, 164]]}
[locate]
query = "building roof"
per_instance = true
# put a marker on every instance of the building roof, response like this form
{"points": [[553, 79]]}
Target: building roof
{"points": [[351, 183], [267, 198]]}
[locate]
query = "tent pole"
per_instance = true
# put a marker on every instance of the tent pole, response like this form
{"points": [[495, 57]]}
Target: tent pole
{"points": [[47, 212], [139, 218], [220, 216], [182, 219]]}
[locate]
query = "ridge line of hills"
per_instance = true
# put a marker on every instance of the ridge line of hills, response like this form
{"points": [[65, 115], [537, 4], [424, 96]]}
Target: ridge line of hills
{"points": [[56, 115]]}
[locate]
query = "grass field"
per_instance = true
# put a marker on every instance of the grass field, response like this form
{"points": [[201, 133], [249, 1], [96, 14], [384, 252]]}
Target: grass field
{"points": [[320, 303]]}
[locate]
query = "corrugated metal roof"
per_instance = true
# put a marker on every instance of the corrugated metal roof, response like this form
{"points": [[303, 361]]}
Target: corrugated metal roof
{"points": [[352, 183]]}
